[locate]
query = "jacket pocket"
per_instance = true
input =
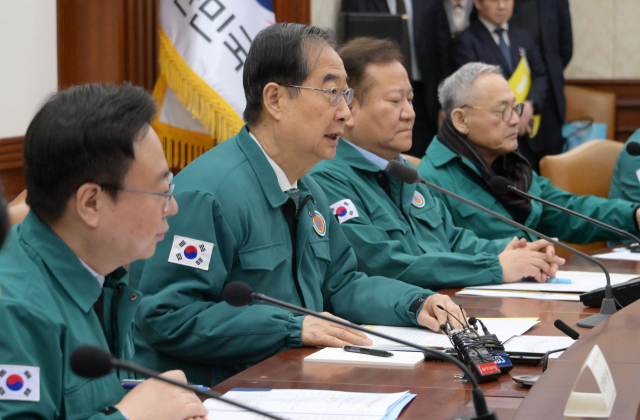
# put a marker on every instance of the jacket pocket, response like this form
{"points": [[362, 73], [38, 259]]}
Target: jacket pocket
{"points": [[431, 216], [321, 250], [389, 224], [264, 257]]}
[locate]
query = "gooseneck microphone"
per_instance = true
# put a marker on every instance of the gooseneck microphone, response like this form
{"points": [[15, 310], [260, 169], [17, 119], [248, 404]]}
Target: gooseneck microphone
{"points": [[633, 148], [559, 324], [241, 294], [93, 362], [501, 185], [409, 175]]}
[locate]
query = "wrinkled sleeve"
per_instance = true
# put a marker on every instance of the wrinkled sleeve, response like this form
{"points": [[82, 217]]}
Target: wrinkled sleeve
{"points": [[183, 313]]}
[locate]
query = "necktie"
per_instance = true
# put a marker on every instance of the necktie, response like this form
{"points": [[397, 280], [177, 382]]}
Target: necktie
{"points": [[294, 194], [503, 48], [406, 48]]}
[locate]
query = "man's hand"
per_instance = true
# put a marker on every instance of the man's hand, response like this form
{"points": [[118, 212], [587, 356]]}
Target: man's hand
{"points": [[432, 317], [521, 259], [156, 400], [527, 113], [318, 332]]}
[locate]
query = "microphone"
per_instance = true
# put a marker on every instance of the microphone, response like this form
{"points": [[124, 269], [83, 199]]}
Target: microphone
{"points": [[633, 148], [410, 176], [559, 324], [500, 185], [93, 362], [241, 294]]}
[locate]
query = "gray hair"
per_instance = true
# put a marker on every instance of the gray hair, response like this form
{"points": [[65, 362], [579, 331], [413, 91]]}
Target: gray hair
{"points": [[457, 89]]}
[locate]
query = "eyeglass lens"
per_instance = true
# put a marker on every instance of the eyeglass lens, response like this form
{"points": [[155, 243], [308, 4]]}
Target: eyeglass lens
{"points": [[337, 93]]}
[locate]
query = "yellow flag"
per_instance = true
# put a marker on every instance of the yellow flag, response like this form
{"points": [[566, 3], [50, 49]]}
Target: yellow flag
{"points": [[520, 82]]}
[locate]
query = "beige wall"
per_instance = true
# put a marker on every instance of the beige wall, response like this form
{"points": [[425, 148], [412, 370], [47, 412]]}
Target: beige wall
{"points": [[606, 39]]}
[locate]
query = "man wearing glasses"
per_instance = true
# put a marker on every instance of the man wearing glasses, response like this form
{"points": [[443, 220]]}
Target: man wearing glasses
{"points": [[399, 230], [479, 141], [250, 213], [100, 194]]}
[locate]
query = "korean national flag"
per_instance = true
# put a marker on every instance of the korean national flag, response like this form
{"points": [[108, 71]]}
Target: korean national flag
{"points": [[191, 252], [344, 210], [19, 383]]}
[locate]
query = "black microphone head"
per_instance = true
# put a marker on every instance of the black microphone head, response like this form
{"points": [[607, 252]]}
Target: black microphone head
{"points": [[90, 361], [499, 185], [633, 148], [559, 324], [440, 307], [237, 293], [473, 321], [404, 173]]}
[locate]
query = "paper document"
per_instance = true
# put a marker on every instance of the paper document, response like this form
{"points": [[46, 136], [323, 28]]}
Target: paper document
{"points": [[310, 404], [537, 344], [582, 282], [503, 328], [522, 295], [620, 255], [341, 357]]}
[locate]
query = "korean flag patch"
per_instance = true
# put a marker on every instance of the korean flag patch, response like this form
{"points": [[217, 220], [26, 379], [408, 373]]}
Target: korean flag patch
{"points": [[19, 383], [191, 252], [344, 210]]}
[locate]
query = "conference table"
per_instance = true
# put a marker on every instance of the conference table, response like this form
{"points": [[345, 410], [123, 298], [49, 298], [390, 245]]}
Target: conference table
{"points": [[441, 395]]}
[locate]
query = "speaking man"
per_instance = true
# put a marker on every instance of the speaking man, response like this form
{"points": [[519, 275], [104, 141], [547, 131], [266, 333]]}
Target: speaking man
{"points": [[250, 213], [479, 141], [396, 229], [100, 193]]}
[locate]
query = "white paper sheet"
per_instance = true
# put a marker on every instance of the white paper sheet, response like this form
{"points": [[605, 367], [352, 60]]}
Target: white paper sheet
{"points": [[306, 404], [620, 255], [503, 328], [582, 281], [537, 344], [338, 356], [522, 295]]}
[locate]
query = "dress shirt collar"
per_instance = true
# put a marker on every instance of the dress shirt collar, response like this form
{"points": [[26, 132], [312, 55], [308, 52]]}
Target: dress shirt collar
{"points": [[283, 181], [377, 160], [94, 273], [491, 27]]}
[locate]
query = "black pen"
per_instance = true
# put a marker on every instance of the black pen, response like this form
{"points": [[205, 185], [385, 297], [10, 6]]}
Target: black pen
{"points": [[364, 350]]}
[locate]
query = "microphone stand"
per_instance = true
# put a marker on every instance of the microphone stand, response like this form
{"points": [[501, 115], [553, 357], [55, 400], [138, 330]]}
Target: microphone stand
{"points": [[608, 308]]}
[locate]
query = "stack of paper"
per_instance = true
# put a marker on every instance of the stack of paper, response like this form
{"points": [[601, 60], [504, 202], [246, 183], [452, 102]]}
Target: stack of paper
{"points": [[503, 328], [538, 344], [620, 254], [310, 404], [580, 282], [341, 357]]}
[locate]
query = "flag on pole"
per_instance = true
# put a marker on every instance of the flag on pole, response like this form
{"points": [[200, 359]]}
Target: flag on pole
{"points": [[203, 46], [520, 82]]}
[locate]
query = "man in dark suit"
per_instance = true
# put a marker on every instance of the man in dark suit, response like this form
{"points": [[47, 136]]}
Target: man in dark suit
{"points": [[430, 41], [490, 39], [549, 22]]}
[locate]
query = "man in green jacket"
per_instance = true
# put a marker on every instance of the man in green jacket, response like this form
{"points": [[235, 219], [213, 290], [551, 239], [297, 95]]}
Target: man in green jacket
{"points": [[250, 213], [100, 191], [478, 141], [400, 230]]}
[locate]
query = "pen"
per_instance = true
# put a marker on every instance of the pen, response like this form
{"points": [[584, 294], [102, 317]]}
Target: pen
{"points": [[559, 281], [132, 383], [370, 352]]}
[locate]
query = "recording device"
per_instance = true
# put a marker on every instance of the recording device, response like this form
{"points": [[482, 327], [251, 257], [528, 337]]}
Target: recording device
{"points": [[241, 294], [93, 362], [494, 346], [624, 294], [472, 351], [501, 185], [410, 176], [633, 148]]}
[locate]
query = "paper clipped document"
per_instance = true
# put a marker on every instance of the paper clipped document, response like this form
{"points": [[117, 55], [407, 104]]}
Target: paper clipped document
{"points": [[537, 344], [575, 297], [339, 356], [581, 282], [310, 404], [503, 328]]}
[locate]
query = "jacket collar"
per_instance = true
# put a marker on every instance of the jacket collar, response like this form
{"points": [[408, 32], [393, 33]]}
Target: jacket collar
{"points": [[264, 171], [440, 155], [350, 155], [61, 261]]}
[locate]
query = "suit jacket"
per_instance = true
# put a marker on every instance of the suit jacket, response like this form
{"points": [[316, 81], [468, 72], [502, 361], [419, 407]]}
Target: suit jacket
{"points": [[556, 36], [432, 43], [476, 44]]}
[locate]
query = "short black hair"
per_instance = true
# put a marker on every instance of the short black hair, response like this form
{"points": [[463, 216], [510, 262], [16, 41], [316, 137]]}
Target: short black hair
{"points": [[83, 134], [359, 53], [280, 54]]}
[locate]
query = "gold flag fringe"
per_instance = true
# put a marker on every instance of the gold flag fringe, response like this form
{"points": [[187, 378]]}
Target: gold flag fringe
{"points": [[206, 105]]}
